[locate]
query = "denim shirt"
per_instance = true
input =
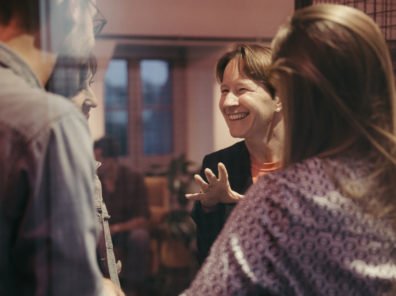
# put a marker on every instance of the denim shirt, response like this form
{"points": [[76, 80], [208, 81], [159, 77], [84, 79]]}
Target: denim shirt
{"points": [[48, 230]]}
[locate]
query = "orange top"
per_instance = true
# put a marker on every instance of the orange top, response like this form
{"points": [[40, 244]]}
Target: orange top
{"points": [[259, 169]]}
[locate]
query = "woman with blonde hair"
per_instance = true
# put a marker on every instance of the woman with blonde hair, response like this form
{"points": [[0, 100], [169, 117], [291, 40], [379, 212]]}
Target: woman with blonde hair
{"points": [[325, 224]]}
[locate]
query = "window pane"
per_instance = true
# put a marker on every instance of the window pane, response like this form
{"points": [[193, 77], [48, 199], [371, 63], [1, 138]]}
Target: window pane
{"points": [[116, 102], [116, 127], [116, 84], [156, 83], [157, 132], [157, 106]]}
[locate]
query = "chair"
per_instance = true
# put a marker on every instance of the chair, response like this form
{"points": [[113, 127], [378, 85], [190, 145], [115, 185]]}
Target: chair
{"points": [[159, 203], [158, 196]]}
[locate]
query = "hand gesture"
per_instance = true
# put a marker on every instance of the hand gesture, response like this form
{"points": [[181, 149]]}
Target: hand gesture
{"points": [[217, 190]]}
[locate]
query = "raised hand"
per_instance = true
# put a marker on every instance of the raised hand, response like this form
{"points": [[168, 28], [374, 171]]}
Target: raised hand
{"points": [[216, 190]]}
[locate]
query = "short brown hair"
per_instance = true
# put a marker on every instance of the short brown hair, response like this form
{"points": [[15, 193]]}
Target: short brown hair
{"points": [[109, 146], [254, 61], [28, 12]]}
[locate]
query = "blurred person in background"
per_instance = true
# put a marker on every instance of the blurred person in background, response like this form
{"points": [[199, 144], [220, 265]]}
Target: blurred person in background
{"points": [[125, 195]]}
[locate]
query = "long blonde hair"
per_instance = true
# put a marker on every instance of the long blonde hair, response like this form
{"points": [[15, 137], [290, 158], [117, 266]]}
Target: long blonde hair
{"points": [[334, 67]]}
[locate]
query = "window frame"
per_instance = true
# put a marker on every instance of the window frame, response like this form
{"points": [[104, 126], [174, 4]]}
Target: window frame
{"points": [[133, 54]]}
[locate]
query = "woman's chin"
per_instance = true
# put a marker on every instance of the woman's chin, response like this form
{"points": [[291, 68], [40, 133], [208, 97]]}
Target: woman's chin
{"points": [[237, 135]]}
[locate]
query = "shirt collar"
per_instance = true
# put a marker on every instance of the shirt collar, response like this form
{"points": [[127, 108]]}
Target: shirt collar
{"points": [[11, 60]]}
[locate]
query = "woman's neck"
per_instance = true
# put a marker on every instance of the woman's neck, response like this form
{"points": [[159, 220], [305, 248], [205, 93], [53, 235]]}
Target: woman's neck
{"points": [[262, 151], [269, 148]]}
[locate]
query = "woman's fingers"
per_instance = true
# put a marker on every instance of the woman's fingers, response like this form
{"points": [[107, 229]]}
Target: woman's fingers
{"points": [[200, 182], [210, 176], [216, 189], [194, 196], [223, 175]]}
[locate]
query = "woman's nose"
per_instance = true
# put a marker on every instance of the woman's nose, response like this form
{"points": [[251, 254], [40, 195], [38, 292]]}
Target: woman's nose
{"points": [[230, 100], [93, 97]]}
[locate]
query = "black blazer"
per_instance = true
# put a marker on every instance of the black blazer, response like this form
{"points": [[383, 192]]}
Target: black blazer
{"points": [[237, 162]]}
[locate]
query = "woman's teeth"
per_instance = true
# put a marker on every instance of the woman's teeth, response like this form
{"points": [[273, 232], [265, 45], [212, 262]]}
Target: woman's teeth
{"points": [[237, 116]]}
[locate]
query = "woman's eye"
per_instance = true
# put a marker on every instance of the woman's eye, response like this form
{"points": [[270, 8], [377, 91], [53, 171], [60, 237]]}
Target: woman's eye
{"points": [[224, 91], [242, 89]]}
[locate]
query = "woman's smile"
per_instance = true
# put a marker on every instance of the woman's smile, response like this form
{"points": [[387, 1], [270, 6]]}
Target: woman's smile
{"points": [[237, 116]]}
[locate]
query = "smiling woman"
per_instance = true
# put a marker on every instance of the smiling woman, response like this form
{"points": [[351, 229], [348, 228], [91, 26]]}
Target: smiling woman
{"points": [[247, 106], [252, 112]]}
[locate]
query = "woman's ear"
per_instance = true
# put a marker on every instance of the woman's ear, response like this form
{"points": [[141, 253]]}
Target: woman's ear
{"points": [[277, 104]]}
